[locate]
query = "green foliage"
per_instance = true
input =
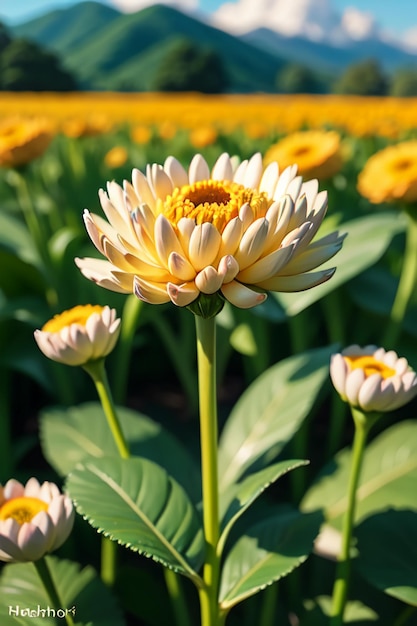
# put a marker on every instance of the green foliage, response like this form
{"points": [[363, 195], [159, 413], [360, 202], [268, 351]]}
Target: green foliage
{"points": [[389, 475], [24, 66], [266, 552], [365, 78], [188, 67], [295, 78], [270, 412], [136, 503], [404, 83], [79, 589], [71, 436]]}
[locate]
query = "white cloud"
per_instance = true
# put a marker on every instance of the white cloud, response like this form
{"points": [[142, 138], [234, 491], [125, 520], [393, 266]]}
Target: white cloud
{"points": [[314, 19], [311, 18], [359, 25], [130, 6], [409, 39]]}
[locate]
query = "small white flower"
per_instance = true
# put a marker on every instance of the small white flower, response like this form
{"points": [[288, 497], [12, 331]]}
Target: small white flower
{"points": [[81, 334], [34, 519], [372, 379]]}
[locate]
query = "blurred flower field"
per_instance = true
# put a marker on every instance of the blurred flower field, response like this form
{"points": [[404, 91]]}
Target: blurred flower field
{"points": [[57, 151]]}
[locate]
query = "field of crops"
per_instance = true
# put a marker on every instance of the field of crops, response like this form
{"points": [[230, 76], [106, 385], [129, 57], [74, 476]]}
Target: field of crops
{"points": [[272, 374]]}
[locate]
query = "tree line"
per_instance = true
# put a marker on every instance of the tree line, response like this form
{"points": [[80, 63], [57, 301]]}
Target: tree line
{"points": [[26, 66]]}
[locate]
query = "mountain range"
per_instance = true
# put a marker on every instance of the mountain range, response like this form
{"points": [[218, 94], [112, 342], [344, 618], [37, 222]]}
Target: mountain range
{"points": [[110, 50]]}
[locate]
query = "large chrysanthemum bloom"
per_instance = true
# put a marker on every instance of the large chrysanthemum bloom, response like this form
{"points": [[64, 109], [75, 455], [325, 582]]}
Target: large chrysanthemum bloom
{"points": [[372, 379], [35, 519], [82, 334], [234, 233], [317, 153], [390, 175], [23, 140]]}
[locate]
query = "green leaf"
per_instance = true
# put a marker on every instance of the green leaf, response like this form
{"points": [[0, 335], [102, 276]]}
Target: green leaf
{"points": [[69, 436], [319, 611], [136, 503], [367, 239], [79, 589], [388, 477], [387, 544], [270, 411], [15, 237], [267, 552], [238, 498]]}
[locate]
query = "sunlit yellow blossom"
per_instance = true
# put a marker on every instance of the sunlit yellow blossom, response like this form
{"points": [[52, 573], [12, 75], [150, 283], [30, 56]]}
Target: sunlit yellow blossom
{"points": [[34, 520], [141, 134], [116, 157], [236, 232], [23, 140], [390, 175], [79, 335], [372, 379], [203, 136], [317, 153], [86, 126]]}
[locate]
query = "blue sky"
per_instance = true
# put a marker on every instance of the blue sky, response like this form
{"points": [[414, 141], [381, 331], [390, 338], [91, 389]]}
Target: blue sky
{"points": [[396, 17]]}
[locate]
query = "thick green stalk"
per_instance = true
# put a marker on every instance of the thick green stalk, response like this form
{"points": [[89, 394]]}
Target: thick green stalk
{"points": [[131, 313], [206, 356], [406, 285], [363, 422], [97, 372], [50, 588]]}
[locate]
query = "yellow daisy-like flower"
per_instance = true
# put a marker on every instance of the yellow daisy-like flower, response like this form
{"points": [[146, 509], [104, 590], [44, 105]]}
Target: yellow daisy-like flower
{"points": [[116, 157], [81, 334], [203, 136], [317, 153], [390, 175], [35, 519], [234, 232], [23, 140], [372, 379]]}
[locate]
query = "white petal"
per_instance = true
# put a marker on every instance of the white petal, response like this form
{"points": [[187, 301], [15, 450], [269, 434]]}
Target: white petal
{"points": [[253, 172], [289, 284], [266, 267], [241, 296], [252, 243], [176, 172], [161, 182], [142, 188], [338, 373], [198, 170], [153, 293], [269, 179], [228, 268], [354, 382], [182, 295], [166, 240], [208, 280], [204, 245], [180, 267], [223, 169]]}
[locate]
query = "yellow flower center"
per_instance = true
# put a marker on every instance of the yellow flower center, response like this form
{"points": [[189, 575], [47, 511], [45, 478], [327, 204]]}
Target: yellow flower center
{"points": [[370, 365], [77, 315], [217, 202], [399, 165], [22, 509]]}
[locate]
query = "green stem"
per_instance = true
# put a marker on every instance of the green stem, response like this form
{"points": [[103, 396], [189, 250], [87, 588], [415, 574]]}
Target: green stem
{"points": [[269, 605], [206, 357], [363, 422], [176, 352], [406, 285], [131, 313], [97, 372], [108, 561], [405, 615], [6, 457], [50, 588], [176, 594]]}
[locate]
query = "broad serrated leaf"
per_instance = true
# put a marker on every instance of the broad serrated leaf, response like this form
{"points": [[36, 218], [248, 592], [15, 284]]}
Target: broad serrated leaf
{"points": [[367, 239], [69, 436], [238, 497], [388, 477], [267, 552], [270, 411], [387, 545], [136, 503], [80, 590]]}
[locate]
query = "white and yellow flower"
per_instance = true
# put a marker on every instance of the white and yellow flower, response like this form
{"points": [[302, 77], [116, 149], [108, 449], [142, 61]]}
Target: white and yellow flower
{"points": [[35, 519], [373, 379], [237, 231], [81, 334]]}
